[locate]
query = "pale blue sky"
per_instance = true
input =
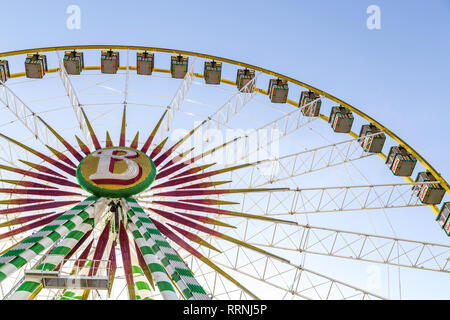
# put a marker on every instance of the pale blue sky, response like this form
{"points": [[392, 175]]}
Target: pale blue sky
{"points": [[402, 69], [400, 75]]}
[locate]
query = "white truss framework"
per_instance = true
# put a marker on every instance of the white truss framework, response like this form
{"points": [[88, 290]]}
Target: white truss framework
{"points": [[177, 101], [289, 166], [9, 153], [279, 128], [76, 105], [27, 117], [294, 280], [357, 246], [286, 202], [232, 107]]}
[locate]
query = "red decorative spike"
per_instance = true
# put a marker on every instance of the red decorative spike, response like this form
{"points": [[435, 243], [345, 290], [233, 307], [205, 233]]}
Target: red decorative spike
{"points": [[29, 226], [172, 236], [112, 265], [50, 205], [22, 220], [28, 184], [40, 176], [126, 258], [204, 185], [123, 128], [167, 172], [187, 193], [61, 156], [83, 147], [91, 131], [149, 140], [100, 249], [176, 159], [166, 154], [23, 201], [174, 182], [209, 202], [81, 261], [43, 169], [158, 148], [193, 237], [69, 147], [108, 140], [52, 161], [134, 144], [53, 193], [204, 219]]}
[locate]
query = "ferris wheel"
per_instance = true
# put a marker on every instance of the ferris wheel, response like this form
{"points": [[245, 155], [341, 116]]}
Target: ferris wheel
{"points": [[148, 173]]}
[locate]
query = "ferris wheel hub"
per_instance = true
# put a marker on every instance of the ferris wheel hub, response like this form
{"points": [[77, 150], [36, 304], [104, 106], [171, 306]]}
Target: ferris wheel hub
{"points": [[116, 172]]}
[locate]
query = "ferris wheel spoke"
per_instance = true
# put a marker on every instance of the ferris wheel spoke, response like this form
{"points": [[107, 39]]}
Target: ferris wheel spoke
{"points": [[73, 98], [204, 259], [101, 84], [334, 199], [307, 161], [293, 165], [44, 157], [176, 102], [215, 233], [309, 281], [152, 135], [39, 176], [286, 125], [26, 116], [92, 134], [30, 226], [358, 246], [233, 106]]}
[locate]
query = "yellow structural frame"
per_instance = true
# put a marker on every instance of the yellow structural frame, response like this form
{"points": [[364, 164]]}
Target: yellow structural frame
{"points": [[391, 134]]}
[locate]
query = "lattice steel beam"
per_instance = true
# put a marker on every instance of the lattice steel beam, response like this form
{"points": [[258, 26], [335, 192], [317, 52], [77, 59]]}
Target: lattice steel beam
{"points": [[232, 107], [27, 116], [307, 161], [176, 102], [73, 98], [288, 277], [357, 246]]}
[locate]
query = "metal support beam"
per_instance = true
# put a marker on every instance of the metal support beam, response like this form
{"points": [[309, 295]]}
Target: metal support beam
{"points": [[27, 117], [176, 102], [357, 246], [73, 98]]}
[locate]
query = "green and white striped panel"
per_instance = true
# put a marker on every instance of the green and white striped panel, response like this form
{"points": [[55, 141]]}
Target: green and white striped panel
{"points": [[161, 258], [179, 272], [142, 287], [161, 279], [26, 289], [17, 257], [70, 295]]}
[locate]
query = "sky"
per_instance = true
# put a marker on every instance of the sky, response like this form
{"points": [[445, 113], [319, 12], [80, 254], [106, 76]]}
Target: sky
{"points": [[400, 69], [398, 74]]}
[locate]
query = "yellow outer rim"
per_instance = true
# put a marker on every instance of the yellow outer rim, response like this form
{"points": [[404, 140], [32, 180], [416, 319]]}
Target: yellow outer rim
{"points": [[391, 134]]}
